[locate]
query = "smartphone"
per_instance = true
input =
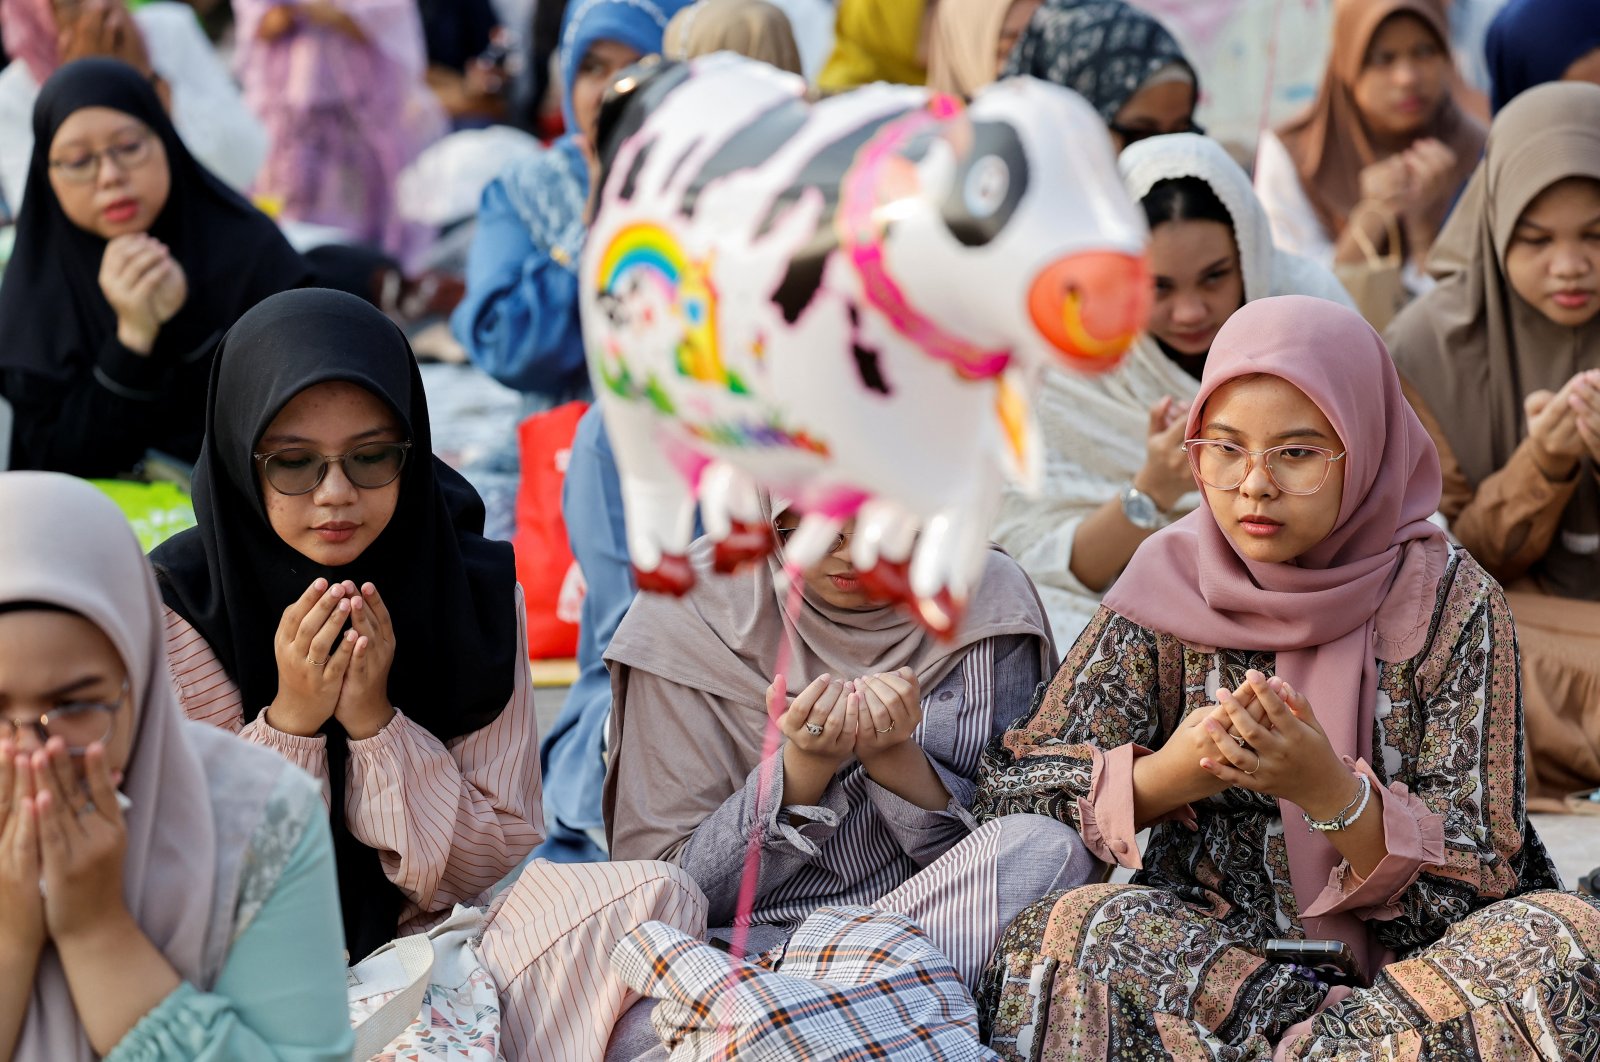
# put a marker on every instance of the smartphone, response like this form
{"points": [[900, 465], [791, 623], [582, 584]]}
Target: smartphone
{"points": [[1331, 960]]}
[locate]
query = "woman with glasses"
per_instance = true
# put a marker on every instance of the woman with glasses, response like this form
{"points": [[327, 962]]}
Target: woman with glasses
{"points": [[1311, 700], [338, 603], [130, 260], [861, 795], [1114, 470], [166, 890], [1123, 61], [163, 40], [1382, 150]]}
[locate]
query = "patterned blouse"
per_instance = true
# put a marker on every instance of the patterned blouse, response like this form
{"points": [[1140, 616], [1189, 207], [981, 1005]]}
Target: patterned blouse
{"points": [[1447, 745]]}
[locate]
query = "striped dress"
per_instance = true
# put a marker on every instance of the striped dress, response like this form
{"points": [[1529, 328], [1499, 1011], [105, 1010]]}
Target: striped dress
{"points": [[861, 844], [450, 820]]}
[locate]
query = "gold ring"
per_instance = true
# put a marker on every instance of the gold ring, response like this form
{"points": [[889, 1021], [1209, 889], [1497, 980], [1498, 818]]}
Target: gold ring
{"points": [[884, 731], [316, 663]]}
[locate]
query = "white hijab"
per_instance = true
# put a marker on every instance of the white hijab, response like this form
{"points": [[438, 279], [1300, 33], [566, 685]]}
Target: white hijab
{"points": [[1094, 427]]}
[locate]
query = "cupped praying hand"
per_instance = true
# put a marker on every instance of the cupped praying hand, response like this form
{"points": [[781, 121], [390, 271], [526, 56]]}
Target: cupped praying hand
{"points": [[327, 670], [891, 706], [1283, 752], [145, 286], [62, 844]]}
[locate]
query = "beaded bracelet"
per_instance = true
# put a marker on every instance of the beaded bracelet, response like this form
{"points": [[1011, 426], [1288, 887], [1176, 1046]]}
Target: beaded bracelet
{"points": [[1346, 818]]}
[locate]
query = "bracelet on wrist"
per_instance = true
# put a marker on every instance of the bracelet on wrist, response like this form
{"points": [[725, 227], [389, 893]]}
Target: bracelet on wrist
{"points": [[1352, 811]]}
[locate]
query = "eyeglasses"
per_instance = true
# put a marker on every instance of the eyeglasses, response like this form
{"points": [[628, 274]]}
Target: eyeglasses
{"points": [[785, 533], [1293, 469], [128, 154], [299, 471], [1134, 134], [79, 724]]}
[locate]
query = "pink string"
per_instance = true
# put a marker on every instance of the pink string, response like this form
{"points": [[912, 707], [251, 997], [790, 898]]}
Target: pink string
{"points": [[744, 909]]}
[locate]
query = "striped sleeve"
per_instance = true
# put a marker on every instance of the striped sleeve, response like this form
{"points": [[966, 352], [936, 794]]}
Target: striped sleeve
{"points": [[450, 820], [209, 696]]}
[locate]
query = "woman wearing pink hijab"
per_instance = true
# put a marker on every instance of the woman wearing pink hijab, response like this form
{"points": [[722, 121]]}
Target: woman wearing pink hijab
{"points": [[1311, 698]]}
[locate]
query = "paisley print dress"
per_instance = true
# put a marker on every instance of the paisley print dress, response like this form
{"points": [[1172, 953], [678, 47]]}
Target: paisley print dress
{"points": [[1485, 958]]}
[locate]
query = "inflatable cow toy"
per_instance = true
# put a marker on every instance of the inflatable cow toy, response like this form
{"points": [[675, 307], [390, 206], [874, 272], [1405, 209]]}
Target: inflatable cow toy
{"points": [[847, 305]]}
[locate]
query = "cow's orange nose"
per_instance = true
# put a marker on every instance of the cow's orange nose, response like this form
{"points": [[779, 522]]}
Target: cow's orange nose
{"points": [[1090, 306]]}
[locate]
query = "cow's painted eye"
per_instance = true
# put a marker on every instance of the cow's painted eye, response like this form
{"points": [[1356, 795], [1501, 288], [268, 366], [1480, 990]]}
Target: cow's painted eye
{"points": [[987, 183]]}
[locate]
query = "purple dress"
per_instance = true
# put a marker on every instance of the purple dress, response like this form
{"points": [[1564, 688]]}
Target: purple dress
{"points": [[344, 116]]}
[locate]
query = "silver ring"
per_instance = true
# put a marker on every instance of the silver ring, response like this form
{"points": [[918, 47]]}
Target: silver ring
{"points": [[813, 729], [87, 809], [1237, 740]]}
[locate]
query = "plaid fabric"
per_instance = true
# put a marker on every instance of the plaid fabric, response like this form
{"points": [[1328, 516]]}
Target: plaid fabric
{"points": [[853, 984]]}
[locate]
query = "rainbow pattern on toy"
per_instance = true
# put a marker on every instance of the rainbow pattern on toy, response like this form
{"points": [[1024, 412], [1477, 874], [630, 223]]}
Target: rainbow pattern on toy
{"points": [[644, 260]]}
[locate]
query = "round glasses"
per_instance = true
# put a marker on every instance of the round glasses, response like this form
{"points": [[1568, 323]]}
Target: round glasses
{"points": [[785, 533], [1293, 469], [299, 471], [128, 154], [79, 724]]}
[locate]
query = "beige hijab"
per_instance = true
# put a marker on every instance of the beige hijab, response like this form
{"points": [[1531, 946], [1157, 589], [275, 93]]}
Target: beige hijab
{"points": [[718, 648], [962, 43], [63, 543], [1329, 142], [1474, 348], [752, 28]]}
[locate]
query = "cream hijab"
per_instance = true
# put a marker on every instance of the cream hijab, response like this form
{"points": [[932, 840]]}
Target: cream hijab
{"points": [[961, 44], [752, 28], [63, 543], [1094, 427], [1474, 349]]}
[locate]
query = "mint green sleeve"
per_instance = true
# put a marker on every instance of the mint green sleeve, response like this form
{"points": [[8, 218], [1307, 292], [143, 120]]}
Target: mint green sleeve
{"points": [[281, 994]]}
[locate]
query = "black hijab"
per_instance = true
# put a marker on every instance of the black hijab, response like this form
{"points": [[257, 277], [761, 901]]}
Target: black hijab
{"points": [[52, 313], [450, 591]]}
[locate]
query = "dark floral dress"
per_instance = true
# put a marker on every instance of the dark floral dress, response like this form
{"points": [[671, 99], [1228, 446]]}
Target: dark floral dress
{"points": [[1488, 960]]}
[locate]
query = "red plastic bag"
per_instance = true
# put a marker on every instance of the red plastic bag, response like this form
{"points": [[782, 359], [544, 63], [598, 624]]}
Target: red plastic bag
{"points": [[551, 582]]}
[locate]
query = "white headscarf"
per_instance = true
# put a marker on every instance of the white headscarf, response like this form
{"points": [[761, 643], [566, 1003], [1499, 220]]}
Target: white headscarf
{"points": [[1094, 427]]}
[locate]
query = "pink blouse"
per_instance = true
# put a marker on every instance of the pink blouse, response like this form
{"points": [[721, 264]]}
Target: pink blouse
{"points": [[449, 820]]}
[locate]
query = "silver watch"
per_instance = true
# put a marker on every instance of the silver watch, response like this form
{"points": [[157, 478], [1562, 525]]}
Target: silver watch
{"points": [[1142, 511]]}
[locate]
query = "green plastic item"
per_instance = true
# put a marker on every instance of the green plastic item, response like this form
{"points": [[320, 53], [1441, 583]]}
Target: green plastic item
{"points": [[157, 511]]}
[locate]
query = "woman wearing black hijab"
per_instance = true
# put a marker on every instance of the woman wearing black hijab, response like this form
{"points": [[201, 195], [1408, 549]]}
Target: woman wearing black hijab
{"points": [[131, 259], [338, 602]]}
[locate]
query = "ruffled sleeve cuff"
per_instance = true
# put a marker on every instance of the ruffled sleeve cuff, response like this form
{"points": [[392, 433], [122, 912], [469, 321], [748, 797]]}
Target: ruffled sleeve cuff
{"points": [[180, 1026], [310, 754], [1413, 836], [1105, 814], [394, 732], [801, 828]]}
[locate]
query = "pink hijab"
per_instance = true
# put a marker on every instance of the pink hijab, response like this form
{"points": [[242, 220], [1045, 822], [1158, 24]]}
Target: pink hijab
{"points": [[63, 543], [1365, 593], [29, 28]]}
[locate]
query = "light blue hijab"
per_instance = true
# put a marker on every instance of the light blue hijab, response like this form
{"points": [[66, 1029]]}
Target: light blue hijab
{"points": [[550, 190]]}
